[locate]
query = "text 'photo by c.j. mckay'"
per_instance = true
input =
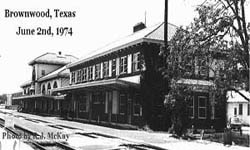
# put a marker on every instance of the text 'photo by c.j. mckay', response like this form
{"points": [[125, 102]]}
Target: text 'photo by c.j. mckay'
{"points": [[124, 74]]}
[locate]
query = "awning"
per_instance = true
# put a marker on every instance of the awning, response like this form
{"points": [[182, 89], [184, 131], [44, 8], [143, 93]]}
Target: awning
{"points": [[106, 83]]}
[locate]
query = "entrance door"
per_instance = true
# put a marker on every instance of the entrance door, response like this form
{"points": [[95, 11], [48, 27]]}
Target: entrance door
{"points": [[98, 105], [123, 99]]}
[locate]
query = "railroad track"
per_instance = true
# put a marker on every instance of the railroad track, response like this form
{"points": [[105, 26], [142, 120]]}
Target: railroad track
{"points": [[54, 145], [49, 145], [19, 131]]}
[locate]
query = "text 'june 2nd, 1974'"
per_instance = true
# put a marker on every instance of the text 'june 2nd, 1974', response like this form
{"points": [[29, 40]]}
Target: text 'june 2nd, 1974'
{"points": [[49, 30]]}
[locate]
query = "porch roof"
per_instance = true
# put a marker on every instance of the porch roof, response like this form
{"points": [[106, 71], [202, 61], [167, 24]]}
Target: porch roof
{"points": [[197, 85], [195, 82], [115, 83]]}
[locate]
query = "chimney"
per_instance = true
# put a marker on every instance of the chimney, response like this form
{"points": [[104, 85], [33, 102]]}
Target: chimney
{"points": [[139, 26]]}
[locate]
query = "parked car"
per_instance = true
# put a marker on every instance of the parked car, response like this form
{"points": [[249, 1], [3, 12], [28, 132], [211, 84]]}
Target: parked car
{"points": [[235, 123]]}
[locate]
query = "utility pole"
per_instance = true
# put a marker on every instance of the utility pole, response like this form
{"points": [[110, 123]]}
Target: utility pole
{"points": [[166, 25]]}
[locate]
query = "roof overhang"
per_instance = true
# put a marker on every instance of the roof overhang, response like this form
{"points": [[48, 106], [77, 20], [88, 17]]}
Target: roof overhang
{"points": [[107, 52], [38, 96], [101, 84], [55, 76], [33, 62], [153, 34]]}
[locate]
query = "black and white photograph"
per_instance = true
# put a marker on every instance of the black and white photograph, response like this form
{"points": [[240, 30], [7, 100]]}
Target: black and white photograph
{"points": [[124, 74]]}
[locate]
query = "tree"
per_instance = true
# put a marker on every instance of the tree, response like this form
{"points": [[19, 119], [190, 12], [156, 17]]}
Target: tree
{"points": [[216, 42], [176, 102], [3, 98]]}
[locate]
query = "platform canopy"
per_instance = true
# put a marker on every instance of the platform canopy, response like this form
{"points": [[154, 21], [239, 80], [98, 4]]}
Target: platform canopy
{"points": [[38, 96], [116, 83]]}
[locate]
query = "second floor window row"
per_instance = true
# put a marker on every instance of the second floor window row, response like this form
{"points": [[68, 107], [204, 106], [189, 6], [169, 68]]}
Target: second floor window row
{"points": [[110, 68]]}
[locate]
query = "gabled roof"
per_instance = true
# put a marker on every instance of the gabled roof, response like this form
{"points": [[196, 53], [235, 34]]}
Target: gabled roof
{"points": [[234, 97], [154, 34], [63, 71], [53, 58]]}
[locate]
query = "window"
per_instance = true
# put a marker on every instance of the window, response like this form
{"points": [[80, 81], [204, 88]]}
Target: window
{"points": [[203, 69], [113, 67], [57, 105], [191, 106], [43, 72], [28, 91], [98, 98], [34, 74], [248, 109], [235, 111], [48, 88], [240, 109], [84, 74], [123, 64], [219, 70], [189, 65], [105, 69], [52, 105], [79, 76], [202, 107], [137, 106], [43, 89], [109, 96], [135, 63], [83, 103], [97, 71], [122, 104], [90, 73], [55, 85], [73, 77]]}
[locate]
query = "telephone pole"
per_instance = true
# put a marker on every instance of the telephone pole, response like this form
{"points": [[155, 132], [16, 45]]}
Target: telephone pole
{"points": [[166, 24]]}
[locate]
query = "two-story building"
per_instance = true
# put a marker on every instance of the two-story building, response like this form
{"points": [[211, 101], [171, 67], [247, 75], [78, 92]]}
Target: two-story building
{"points": [[121, 82], [49, 72], [206, 105]]}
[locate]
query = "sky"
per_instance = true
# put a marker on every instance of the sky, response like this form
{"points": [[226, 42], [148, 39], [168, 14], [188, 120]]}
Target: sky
{"points": [[96, 23]]}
